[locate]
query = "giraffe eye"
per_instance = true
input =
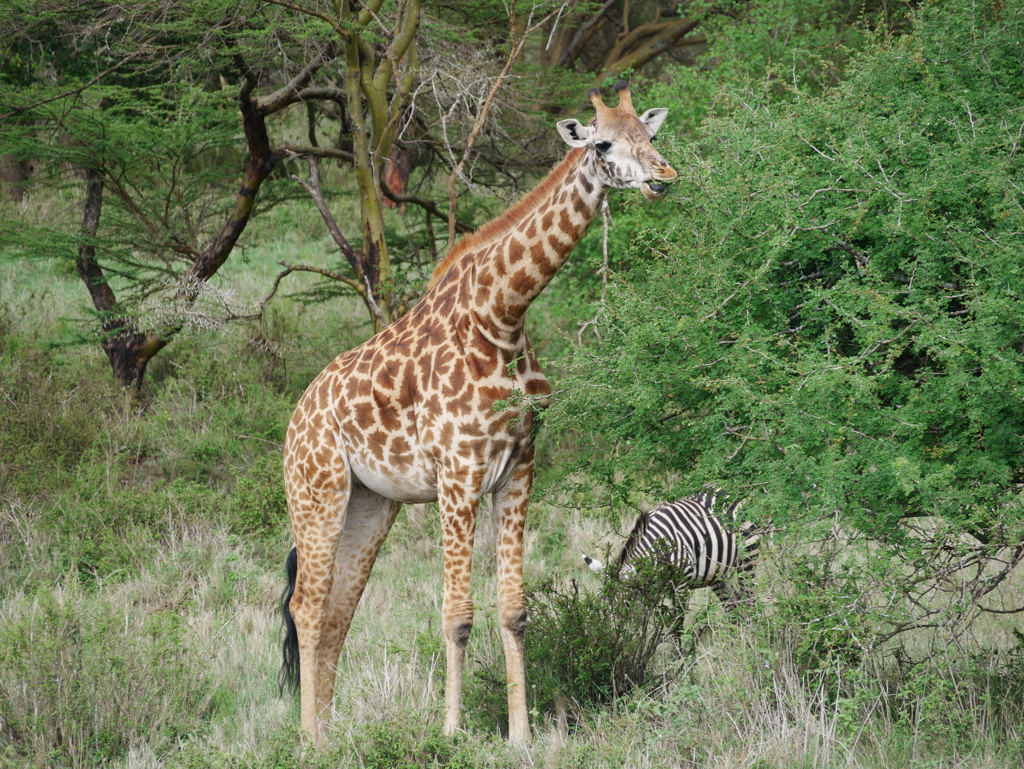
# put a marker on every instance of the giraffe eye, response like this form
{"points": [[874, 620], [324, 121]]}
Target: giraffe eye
{"points": [[602, 147], [651, 140]]}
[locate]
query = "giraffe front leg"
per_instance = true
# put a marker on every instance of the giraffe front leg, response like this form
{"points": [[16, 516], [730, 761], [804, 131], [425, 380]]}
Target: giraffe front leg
{"points": [[458, 500], [510, 505]]}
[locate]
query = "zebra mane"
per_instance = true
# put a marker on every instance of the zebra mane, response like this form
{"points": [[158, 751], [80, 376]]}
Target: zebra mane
{"points": [[634, 538]]}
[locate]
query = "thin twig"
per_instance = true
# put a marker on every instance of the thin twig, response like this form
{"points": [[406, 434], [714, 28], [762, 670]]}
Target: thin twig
{"points": [[513, 54]]}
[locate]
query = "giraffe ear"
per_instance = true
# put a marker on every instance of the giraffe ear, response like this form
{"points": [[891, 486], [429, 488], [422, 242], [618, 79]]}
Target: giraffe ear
{"points": [[653, 118], [574, 133]]}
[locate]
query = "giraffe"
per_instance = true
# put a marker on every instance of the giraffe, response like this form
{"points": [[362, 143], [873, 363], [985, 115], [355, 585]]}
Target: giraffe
{"points": [[409, 417]]}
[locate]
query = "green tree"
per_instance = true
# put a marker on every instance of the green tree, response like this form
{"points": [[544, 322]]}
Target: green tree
{"points": [[139, 106], [833, 323], [178, 122], [134, 104]]}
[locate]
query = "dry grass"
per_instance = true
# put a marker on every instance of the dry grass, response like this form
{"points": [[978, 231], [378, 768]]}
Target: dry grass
{"points": [[739, 700]]}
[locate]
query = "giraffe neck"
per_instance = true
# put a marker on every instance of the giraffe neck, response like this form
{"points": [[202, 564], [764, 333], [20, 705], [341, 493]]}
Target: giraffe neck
{"points": [[512, 268]]}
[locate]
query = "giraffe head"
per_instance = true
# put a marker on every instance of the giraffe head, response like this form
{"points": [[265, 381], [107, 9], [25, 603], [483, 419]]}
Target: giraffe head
{"points": [[619, 142]]}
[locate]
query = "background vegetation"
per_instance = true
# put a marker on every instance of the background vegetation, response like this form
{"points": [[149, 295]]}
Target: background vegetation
{"points": [[824, 317]]}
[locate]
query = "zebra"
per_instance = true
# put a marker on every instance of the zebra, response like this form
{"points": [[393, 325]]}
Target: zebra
{"points": [[689, 535]]}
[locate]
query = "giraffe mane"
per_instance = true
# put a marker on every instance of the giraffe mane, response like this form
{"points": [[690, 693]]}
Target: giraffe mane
{"points": [[505, 221]]}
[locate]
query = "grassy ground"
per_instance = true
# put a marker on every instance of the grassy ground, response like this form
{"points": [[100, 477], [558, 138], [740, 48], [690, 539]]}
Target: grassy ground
{"points": [[141, 552]]}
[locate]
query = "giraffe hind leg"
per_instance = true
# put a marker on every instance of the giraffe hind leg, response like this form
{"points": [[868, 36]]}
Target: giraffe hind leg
{"points": [[367, 525], [338, 533], [318, 511]]}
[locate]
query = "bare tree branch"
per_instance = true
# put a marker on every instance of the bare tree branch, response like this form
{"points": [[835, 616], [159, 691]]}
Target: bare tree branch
{"points": [[518, 43], [656, 36], [355, 285], [315, 192], [429, 206]]}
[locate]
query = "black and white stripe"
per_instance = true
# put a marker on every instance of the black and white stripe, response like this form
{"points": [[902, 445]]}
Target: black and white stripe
{"points": [[689, 535]]}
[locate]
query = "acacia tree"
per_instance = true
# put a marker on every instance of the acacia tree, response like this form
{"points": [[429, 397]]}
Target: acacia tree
{"points": [[378, 86], [136, 106], [152, 134], [832, 326], [160, 153]]}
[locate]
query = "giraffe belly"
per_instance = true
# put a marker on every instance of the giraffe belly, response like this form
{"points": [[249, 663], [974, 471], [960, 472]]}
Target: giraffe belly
{"points": [[415, 484], [420, 484]]}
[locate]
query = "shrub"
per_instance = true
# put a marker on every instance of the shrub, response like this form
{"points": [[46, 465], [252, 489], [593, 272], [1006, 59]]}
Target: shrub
{"points": [[48, 418], [126, 523], [833, 319], [587, 649], [257, 505], [394, 745]]}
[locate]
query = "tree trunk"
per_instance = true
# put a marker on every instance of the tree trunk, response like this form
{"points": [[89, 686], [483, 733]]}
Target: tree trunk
{"points": [[129, 354], [128, 350], [374, 264]]}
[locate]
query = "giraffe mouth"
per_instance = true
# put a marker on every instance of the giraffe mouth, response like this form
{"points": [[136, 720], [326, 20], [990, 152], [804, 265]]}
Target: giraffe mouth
{"points": [[653, 190]]}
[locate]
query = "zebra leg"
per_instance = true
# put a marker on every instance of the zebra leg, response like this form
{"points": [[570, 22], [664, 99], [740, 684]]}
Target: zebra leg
{"points": [[734, 592], [679, 605]]}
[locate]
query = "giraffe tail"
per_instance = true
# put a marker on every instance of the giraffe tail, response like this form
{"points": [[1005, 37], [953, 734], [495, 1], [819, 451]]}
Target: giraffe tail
{"points": [[289, 675]]}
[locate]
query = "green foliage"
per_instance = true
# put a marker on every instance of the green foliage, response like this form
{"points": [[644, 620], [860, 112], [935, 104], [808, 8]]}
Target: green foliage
{"points": [[795, 48], [127, 526], [829, 626], [834, 316], [387, 745], [48, 415], [257, 506], [75, 456]]}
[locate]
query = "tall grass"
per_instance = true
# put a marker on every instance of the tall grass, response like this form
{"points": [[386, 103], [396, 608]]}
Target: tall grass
{"points": [[141, 551]]}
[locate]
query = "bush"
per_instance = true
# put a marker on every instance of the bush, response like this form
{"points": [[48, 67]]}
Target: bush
{"points": [[257, 505], [127, 524], [587, 649], [834, 318], [401, 745], [48, 418]]}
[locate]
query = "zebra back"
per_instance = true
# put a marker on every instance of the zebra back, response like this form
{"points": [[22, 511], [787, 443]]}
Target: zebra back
{"points": [[693, 538]]}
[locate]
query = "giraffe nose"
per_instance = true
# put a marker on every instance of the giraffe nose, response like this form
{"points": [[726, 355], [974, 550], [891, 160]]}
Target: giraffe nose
{"points": [[666, 173]]}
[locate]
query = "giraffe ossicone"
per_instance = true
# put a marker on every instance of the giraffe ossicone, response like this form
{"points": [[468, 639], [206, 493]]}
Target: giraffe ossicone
{"points": [[409, 417]]}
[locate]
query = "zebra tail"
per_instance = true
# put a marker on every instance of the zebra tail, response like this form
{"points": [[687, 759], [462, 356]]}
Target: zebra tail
{"points": [[288, 677]]}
